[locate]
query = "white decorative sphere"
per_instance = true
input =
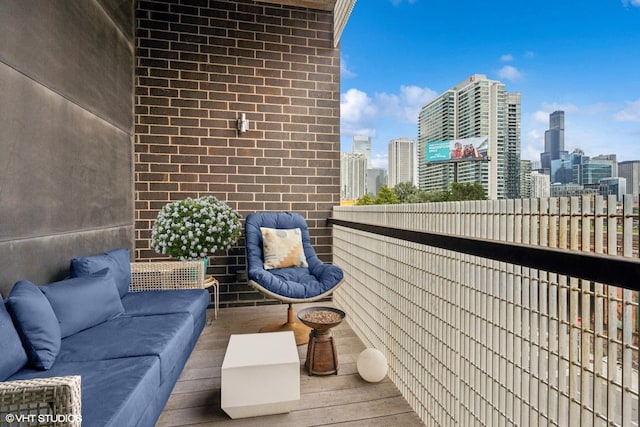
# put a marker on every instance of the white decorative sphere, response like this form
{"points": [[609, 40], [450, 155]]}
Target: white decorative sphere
{"points": [[372, 365]]}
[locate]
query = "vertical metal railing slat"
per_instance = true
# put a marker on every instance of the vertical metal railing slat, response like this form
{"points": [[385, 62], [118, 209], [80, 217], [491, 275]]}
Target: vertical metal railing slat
{"points": [[599, 389]]}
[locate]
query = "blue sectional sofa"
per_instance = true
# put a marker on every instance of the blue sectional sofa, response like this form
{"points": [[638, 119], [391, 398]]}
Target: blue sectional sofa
{"points": [[128, 348]]}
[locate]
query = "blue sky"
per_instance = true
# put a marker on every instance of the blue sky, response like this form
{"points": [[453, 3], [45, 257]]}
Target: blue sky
{"points": [[580, 57]]}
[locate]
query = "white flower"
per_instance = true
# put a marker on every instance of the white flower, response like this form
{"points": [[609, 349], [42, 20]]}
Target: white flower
{"points": [[193, 228]]}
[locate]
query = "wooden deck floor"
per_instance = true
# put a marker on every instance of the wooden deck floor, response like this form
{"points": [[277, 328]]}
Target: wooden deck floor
{"points": [[344, 399]]}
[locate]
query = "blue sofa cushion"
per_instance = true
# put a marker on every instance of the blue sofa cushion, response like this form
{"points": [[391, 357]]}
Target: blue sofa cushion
{"points": [[35, 322], [117, 260], [13, 354], [115, 392], [82, 302], [167, 336], [148, 303]]}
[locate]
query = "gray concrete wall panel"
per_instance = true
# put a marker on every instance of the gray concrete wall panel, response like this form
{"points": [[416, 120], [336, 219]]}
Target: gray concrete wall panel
{"points": [[62, 168], [122, 14], [46, 259], [75, 49], [66, 134]]}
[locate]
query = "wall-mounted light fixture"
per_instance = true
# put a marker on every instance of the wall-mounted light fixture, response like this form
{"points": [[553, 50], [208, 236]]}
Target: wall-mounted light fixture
{"points": [[243, 123]]}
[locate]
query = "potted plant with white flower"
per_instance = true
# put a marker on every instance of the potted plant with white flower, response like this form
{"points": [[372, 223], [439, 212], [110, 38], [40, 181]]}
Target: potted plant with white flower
{"points": [[191, 229]]}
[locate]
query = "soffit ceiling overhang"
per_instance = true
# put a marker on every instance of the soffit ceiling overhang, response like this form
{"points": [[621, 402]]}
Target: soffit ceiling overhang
{"points": [[341, 11]]}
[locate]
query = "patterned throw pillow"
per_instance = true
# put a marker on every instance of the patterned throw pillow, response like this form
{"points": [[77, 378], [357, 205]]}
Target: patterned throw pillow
{"points": [[282, 248]]}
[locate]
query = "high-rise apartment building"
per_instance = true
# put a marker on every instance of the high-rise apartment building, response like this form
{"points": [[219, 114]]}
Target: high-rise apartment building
{"points": [[401, 161], [630, 170], [353, 176], [540, 185], [525, 178], [553, 140], [362, 145], [471, 134], [512, 146]]}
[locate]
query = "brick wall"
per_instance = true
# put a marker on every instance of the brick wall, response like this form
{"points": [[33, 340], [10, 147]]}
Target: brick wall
{"points": [[200, 64]]}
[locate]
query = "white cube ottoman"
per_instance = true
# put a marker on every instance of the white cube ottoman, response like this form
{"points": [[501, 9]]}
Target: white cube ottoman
{"points": [[260, 374]]}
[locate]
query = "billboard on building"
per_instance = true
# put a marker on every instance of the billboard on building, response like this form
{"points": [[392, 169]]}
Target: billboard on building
{"points": [[456, 150]]}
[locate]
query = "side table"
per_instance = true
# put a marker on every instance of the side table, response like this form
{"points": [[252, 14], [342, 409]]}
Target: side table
{"points": [[260, 375], [322, 355], [210, 281]]}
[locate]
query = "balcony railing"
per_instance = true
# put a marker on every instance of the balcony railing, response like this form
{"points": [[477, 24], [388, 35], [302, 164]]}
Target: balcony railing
{"points": [[510, 312]]}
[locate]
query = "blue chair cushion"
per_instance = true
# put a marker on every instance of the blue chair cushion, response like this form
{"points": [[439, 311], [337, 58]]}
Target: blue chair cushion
{"points": [[297, 283], [13, 354], [82, 302], [294, 282], [117, 260], [36, 324]]}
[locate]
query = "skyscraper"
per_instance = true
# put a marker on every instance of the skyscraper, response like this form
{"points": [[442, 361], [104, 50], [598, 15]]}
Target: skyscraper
{"points": [[525, 178], [401, 161], [481, 121], [630, 170], [540, 185], [353, 176], [512, 147], [611, 158], [553, 141], [376, 178], [596, 168], [362, 145]]}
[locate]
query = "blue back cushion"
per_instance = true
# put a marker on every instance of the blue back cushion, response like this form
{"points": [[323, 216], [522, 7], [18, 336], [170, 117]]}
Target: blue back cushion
{"points": [[36, 323], [13, 354], [117, 260], [295, 283], [82, 302], [278, 220]]}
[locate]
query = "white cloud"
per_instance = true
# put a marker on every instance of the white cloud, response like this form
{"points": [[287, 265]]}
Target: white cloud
{"points": [[632, 112], [380, 161], [631, 2], [357, 114], [345, 72], [532, 145], [356, 106], [599, 108], [540, 117], [506, 58], [405, 105], [383, 115], [509, 72], [360, 113]]}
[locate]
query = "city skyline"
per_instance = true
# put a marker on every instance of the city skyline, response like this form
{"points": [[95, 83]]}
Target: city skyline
{"points": [[398, 55]]}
